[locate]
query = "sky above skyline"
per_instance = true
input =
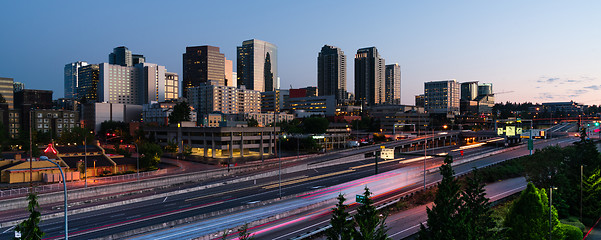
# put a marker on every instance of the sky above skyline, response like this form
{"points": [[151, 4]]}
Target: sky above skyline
{"points": [[537, 51]]}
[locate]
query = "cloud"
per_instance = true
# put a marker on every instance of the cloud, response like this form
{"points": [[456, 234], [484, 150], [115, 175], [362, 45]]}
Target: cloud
{"points": [[548, 80], [594, 87]]}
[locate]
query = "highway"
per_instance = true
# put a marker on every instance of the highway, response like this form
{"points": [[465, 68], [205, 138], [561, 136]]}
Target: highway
{"points": [[118, 219], [126, 217], [302, 223]]}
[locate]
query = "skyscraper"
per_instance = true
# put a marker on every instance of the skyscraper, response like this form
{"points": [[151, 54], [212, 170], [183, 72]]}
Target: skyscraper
{"points": [[203, 64], [257, 65], [331, 72], [469, 91], [121, 56], [393, 84], [87, 89], [369, 76], [71, 78]]}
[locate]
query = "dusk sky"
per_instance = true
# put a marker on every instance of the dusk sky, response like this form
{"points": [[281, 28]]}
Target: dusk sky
{"points": [[541, 50]]}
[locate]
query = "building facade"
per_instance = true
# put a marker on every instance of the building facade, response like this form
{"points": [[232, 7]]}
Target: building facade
{"points": [[223, 99], [442, 97], [219, 142], [325, 105], [331, 72], [55, 121], [7, 91], [123, 57], [72, 78], [87, 88], [257, 65], [274, 101], [369, 76], [96, 113], [159, 112], [393, 84], [203, 65], [31, 98]]}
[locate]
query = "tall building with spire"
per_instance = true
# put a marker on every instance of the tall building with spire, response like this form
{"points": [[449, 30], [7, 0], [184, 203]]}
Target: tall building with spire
{"points": [[257, 65], [331, 72], [369, 76]]}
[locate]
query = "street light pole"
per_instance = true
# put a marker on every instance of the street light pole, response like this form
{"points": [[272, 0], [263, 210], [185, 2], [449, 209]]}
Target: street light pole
{"points": [[137, 162], [85, 157], [581, 169], [64, 194], [425, 145], [550, 205]]}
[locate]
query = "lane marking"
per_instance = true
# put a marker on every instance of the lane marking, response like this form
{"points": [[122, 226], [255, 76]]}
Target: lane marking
{"points": [[10, 228], [241, 189], [275, 185], [165, 199], [371, 164]]}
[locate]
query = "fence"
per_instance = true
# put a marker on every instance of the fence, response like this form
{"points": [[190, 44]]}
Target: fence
{"points": [[78, 184]]}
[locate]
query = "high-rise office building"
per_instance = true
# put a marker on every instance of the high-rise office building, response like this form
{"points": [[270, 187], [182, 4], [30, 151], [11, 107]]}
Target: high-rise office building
{"points": [[143, 83], [72, 78], [331, 72], [87, 88], [229, 74], [137, 58], [469, 91], [121, 56], [203, 65], [369, 76], [119, 84], [208, 99], [7, 91], [393, 84], [484, 89], [442, 97], [257, 65]]}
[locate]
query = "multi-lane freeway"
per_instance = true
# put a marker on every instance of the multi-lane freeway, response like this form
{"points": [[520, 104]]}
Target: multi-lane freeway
{"points": [[328, 181]]}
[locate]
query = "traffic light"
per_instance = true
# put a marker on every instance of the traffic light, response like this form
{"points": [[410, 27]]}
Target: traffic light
{"points": [[596, 124], [461, 152]]}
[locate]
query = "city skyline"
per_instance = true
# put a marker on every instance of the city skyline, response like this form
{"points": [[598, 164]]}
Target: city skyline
{"points": [[536, 51]]}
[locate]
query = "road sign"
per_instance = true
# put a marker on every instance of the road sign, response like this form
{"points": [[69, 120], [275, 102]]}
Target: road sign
{"points": [[500, 131], [510, 131], [360, 198], [387, 153], [17, 234], [530, 144], [518, 131]]}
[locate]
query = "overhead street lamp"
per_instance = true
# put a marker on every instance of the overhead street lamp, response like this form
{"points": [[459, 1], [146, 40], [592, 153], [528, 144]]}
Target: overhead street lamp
{"points": [[64, 192]]}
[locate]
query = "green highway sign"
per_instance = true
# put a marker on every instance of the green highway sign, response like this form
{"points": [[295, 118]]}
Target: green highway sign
{"points": [[360, 199]]}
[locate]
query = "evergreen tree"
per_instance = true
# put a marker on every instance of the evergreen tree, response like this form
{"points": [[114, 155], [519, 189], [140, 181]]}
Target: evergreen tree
{"points": [[243, 233], [30, 228], [475, 211], [443, 220], [591, 198], [342, 227], [181, 112], [370, 225], [529, 216]]}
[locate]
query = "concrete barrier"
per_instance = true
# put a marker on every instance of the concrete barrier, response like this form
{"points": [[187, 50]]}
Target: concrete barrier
{"points": [[218, 213]]}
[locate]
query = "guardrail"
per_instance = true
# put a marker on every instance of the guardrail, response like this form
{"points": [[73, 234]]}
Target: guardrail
{"points": [[59, 186]]}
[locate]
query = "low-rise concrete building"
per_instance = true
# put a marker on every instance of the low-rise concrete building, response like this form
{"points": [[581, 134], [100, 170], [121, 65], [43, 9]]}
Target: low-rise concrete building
{"points": [[219, 142]]}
